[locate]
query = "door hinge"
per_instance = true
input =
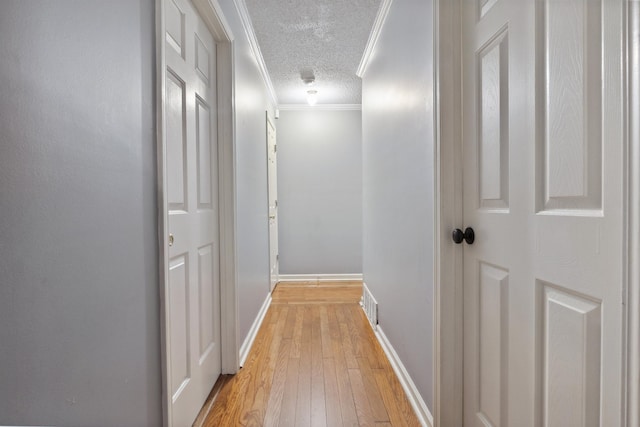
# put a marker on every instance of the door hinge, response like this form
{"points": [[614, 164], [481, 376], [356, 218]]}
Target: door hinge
{"points": [[275, 148], [276, 203]]}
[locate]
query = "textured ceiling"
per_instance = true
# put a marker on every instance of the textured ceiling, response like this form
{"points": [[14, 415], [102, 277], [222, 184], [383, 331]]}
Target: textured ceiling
{"points": [[326, 36]]}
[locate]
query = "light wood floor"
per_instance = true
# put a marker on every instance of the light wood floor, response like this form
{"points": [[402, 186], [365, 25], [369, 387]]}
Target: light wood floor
{"points": [[315, 362]]}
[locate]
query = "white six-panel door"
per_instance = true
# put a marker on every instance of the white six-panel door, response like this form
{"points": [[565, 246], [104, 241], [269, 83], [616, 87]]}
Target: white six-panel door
{"points": [[272, 168], [193, 297], [543, 182]]}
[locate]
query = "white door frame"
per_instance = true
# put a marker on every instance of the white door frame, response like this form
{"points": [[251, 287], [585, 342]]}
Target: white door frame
{"points": [[271, 122], [211, 14], [448, 312], [632, 196], [448, 301]]}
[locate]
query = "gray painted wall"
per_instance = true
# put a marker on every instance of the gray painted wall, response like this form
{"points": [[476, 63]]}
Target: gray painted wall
{"points": [[398, 181], [79, 305], [251, 102], [320, 191]]}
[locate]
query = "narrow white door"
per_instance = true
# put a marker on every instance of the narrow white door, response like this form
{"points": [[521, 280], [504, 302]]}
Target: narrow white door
{"points": [[193, 298], [542, 142], [272, 167]]}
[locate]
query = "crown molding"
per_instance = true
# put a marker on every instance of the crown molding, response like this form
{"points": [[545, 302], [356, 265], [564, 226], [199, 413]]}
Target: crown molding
{"points": [[381, 17], [320, 107], [241, 7]]}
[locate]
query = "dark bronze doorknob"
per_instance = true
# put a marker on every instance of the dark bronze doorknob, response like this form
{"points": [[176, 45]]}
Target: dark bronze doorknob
{"points": [[468, 236]]}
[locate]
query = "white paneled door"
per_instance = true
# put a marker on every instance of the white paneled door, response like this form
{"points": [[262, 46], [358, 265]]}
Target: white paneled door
{"points": [[543, 181], [193, 297], [272, 168]]}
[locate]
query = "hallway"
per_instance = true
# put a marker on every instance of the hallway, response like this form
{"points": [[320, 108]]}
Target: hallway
{"points": [[515, 119], [315, 362]]}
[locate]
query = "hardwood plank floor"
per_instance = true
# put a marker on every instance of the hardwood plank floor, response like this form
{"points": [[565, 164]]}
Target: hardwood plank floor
{"points": [[315, 363]]}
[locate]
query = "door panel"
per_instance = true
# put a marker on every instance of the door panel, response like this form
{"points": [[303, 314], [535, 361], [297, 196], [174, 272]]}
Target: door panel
{"points": [[572, 346], [175, 129], [542, 149], [203, 60], [570, 112], [492, 334], [206, 299], [203, 126], [174, 22], [493, 136], [193, 314], [179, 321]]}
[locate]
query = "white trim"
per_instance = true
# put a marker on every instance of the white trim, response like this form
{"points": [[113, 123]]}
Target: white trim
{"points": [[273, 275], [378, 24], [226, 187], [323, 107], [633, 214], [417, 402], [210, 12], [253, 332], [320, 277], [245, 18], [448, 302], [227, 208], [163, 249]]}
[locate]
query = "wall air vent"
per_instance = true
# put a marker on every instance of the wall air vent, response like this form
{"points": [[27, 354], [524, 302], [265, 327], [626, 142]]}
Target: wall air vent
{"points": [[370, 306]]}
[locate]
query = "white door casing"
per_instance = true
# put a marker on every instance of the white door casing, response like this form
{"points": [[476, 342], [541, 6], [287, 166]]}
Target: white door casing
{"points": [[543, 139], [192, 331], [272, 168], [633, 215], [448, 304]]}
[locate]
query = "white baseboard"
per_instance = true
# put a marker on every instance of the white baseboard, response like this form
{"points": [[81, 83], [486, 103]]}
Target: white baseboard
{"points": [[418, 404], [251, 336], [319, 277]]}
